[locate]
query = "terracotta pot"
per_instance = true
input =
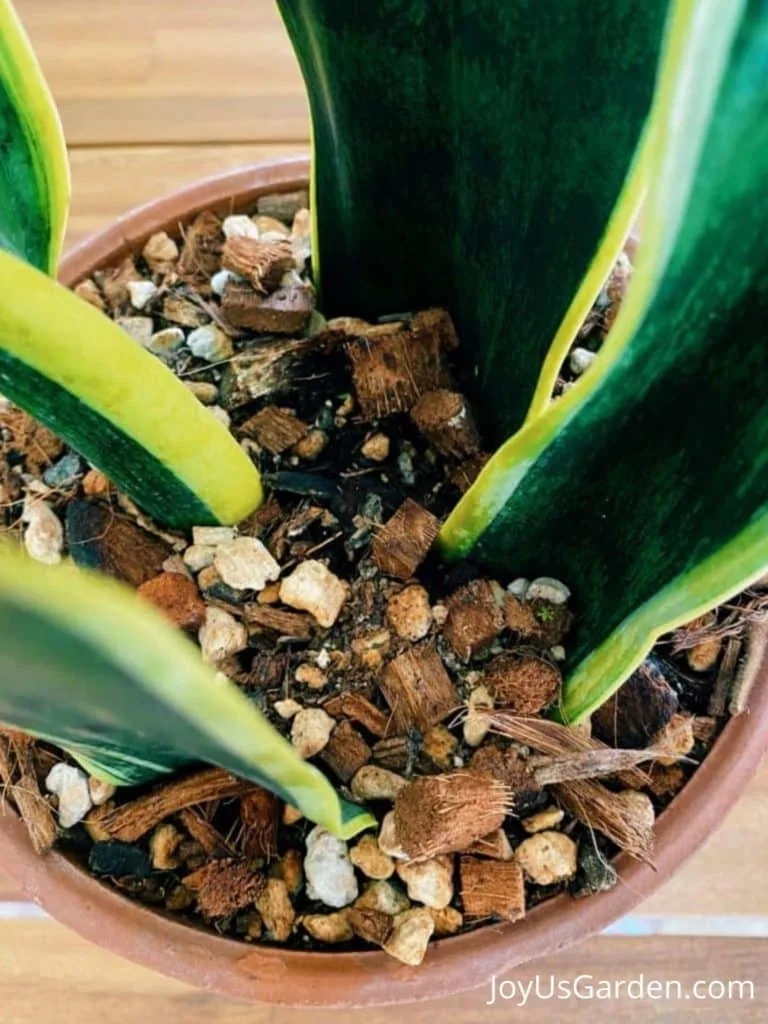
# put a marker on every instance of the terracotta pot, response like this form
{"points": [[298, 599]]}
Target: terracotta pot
{"points": [[361, 979]]}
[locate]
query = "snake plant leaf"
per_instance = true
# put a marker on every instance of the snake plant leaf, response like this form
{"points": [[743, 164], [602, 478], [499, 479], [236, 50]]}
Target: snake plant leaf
{"points": [[469, 154], [34, 174], [87, 380], [646, 487], [88, 665]]}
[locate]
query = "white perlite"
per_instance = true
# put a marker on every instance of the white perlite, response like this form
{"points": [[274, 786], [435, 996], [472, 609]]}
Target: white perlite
{"points": [[245, 564], [70, 785], [580, 360], [328, 869], [141, 292], [313, 588], [199, 556], [544, 588], [220, 281], [429, 882], [44, 535], [212, 535], [221, 635], [209, 343], [311, 730], [239, 226]]}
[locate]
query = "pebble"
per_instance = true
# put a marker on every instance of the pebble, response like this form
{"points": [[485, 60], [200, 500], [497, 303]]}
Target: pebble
{"points": [[141, 292], [199, 556], [410, 936], [544, 820], [203, 391], [210, 343], [580, 360], [328, 869], [328, 928], [558, 652], [544, 588], [547, 857], [387, 838], [140, 328], [164, 343], [238, 225], [477, 723], [313, 588], [311, 676], [160, 250], [220, 415], [448, 921], [519, 587], [429, 882], [371, 860], [95, 484], [64, 471], [220, 281], [374, 783], [44, 535], [245, 564], [287, 709], [311, 730], [383, 896], [212, 535], [409, 613], [376, 448], [221, 635], [70, 785], [311, 446], [100, 791]]}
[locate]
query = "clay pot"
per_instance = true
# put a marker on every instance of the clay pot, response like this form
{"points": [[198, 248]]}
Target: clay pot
{"points": [[301, 979]]}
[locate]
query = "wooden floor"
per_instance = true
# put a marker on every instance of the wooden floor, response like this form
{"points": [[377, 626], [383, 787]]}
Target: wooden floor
{"points": [[157, 93]]}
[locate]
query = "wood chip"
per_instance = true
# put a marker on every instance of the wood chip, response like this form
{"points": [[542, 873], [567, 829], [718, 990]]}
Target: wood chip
{"points": [[98, 538], [131, 821], [370, 925], [275, 429], [38, 446], [468, 470], [639, 709], [263, 370], [180, 310], [358, 708], [260, 814], [262, 263], [201, 830], [475, 618], [492, 888], [17, 772], [201, 255], [285, 311], [525, 685], [403, 542], [445, 420], [446, 813], [223, 887], [274, 904], [418, 689], [601, 809], [268, 619], [346, 751]]}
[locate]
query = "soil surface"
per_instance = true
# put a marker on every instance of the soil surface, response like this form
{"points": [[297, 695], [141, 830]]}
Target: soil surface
{"points": [[419, 688]]}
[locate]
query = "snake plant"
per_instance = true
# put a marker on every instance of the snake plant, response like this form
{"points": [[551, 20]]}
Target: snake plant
{"points": [[485, 157]]}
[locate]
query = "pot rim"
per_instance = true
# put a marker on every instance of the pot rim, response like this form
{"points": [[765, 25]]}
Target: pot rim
{"points": [[313, 979]]}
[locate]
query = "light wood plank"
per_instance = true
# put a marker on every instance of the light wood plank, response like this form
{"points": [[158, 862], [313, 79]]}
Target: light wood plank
{"points": [[107, 182], [167, 71], [48, 973]]}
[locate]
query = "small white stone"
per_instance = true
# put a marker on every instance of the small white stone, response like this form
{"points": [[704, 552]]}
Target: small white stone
{"points": [[220, 281], [580, 360], [212, 535], [140, 328], [313, 588], [558, 652], [477, 723], [221, 635], [328, 869], [547, 857], [100, 791], [199, 556], [70, 785], [167, 341], [221, 415], [141, 292], [545, 588], [410, 936], [44, 535], [323, 659], [429, 882], [388, 838], [210, 343], [287, 709], [245, 564], [239, 226], [374, 783], [311, 730], [519, 587]]}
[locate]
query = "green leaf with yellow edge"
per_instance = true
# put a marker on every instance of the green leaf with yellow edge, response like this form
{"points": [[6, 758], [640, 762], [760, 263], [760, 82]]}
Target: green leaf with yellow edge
{"points": [[91, 667], [34, 174], [469, 154], [646, 487], [91, 383]]}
